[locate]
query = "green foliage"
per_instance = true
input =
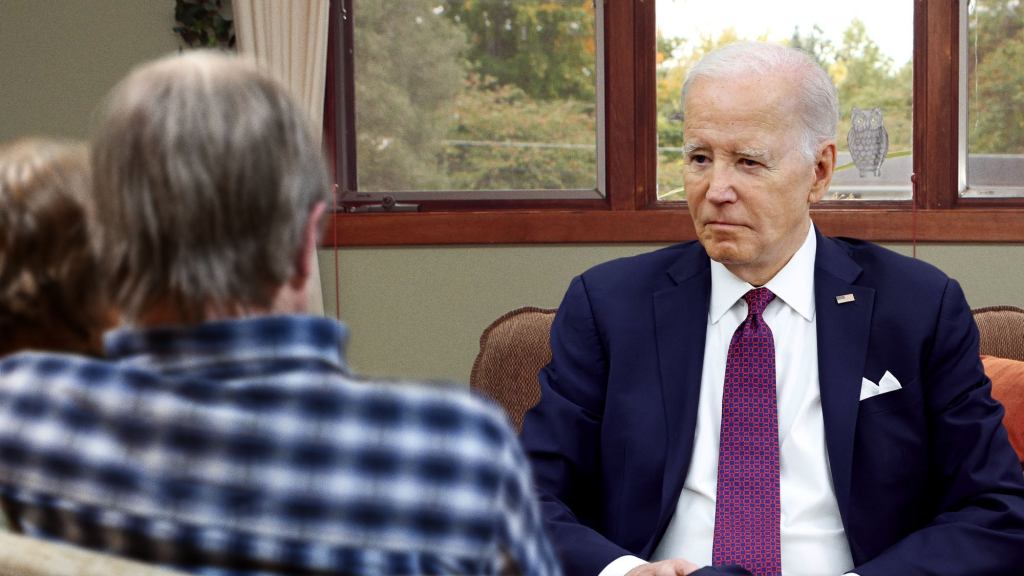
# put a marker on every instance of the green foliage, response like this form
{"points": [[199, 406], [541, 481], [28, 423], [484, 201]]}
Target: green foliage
{"points": [[670, 126], [428, 119], [409, 71], [545, 47], [815, 44], [867, 78], [997, 101], [500, 94], [995, 97], [666, 48], [204, 23], [519, 142], [994, 21]]}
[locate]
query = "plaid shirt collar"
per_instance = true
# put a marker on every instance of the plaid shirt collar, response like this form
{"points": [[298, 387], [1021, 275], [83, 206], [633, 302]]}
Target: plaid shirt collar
{"points": [[256, 338]]}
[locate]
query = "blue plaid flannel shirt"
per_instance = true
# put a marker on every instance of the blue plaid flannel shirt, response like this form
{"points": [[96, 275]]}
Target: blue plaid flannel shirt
{"points": [[247, 447]]}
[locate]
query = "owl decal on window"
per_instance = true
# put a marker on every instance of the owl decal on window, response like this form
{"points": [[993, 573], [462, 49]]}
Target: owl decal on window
{"points": [[868, 141]]}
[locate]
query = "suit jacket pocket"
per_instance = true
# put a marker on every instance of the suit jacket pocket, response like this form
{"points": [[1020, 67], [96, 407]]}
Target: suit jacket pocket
{"points": [[906, 397]]}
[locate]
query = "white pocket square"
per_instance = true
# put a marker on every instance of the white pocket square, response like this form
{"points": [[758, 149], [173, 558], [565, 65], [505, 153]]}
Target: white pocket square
{"points": [[888, 383]]}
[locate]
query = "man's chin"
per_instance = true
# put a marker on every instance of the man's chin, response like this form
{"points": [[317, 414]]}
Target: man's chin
{"points": [[727, 260], [725, 252]]}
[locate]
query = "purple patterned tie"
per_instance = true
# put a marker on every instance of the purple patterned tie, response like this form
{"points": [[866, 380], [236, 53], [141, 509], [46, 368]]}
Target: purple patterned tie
{"points": [[747, 511]]}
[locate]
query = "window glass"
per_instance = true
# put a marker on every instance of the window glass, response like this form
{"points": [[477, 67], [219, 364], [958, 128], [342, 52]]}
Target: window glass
{"points": [[995, 107], [865, 46], [467, 95]]}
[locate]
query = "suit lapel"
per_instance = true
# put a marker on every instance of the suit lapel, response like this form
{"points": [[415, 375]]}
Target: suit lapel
{"points": [[681, 317], [843, 333], [681, 313]]}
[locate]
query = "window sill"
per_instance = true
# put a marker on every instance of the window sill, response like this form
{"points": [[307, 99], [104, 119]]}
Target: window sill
{"points": [[663, 225]]}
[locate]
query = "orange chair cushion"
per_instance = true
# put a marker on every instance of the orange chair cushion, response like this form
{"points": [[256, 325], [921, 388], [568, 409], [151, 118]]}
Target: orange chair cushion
{"points": [[1008, 388]]}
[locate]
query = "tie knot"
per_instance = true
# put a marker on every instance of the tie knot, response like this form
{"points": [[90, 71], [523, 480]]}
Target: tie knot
{"points": [[757, 299]]}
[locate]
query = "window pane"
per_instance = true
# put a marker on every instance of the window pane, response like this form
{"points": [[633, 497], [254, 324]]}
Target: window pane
{"points": [[867, 48], [995, 107], [467, 95]]}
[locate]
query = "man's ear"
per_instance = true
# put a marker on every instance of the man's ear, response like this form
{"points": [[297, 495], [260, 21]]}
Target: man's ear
{"points": [[824, 167], [303, 265]]}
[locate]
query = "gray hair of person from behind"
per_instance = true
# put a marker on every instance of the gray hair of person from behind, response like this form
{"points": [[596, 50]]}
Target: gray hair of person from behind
{"points": [[205, 172], [817, 98]]}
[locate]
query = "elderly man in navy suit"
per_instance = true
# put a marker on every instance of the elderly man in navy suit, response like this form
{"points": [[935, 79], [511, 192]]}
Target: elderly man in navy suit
{"points": [[769, 400]]}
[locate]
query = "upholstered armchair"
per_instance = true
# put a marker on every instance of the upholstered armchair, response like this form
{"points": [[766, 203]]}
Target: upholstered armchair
{"points": [[24, 556], [1002, 352], [516, 346], [513, 349]]}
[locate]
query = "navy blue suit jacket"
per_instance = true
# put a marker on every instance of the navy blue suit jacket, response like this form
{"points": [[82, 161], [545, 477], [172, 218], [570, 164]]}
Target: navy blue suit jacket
{"points": [[925, 478]]}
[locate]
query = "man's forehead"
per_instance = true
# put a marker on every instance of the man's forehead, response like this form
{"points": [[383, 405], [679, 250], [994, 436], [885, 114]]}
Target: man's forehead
{"points": [[758, 131], [769, 101]]}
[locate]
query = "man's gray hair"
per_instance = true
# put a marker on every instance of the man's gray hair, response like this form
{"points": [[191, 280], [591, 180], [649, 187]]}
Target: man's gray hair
{"points": [[817, 101], [205, 173]]}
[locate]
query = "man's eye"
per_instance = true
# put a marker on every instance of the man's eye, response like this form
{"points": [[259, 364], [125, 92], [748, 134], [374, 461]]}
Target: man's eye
{"points": [[698, 159], [747, 162]]}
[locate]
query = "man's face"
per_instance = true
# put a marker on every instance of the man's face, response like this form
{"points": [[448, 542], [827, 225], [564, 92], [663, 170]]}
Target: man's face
{"points": [[748, 184]]}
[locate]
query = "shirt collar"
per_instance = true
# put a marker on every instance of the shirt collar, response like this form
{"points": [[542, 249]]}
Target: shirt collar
{"points": [[794, 284], [258, 338]]}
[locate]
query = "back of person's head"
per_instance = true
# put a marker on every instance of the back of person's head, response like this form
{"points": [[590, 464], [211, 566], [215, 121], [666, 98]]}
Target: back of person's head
{"points": [[49, 298], [817, 100], [205, 174]]}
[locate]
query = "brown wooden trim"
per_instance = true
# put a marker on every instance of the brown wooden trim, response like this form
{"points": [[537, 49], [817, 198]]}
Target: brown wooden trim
{"points": [[948, 84], [328, 143], [490, 205], [508, 227], [630, 213], [938, 225], [645, 29], [920, 99], [989, 203], [620, 106], [936, 62], [341, 40], [657, 226]]}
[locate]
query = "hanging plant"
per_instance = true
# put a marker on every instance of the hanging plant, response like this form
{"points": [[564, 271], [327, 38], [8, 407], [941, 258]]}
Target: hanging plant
{"points": [[205, 23]]}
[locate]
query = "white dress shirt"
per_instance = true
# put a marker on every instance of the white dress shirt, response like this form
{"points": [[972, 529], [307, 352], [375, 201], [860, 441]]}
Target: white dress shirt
{"points": [[813, 540]]}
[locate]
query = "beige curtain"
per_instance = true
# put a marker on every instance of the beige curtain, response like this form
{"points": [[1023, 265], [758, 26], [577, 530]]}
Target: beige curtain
{"points": [[288, 38]]}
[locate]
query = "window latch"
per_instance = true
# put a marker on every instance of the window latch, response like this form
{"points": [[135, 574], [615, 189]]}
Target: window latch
{"points": [[387, 204]]}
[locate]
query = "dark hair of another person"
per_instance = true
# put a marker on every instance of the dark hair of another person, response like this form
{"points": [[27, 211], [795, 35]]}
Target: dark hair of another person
{"points": [[49, 296]]}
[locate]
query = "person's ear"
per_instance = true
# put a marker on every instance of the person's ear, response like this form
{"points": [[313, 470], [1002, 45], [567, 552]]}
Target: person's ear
{"points": [[824, 168], [303, 265]]}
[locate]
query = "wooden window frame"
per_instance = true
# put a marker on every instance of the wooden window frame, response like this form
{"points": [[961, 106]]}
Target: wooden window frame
{"points": [[630, 211]]}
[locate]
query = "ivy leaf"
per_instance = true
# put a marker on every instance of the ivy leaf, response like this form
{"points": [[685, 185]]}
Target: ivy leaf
{"points": [[204, 23]]}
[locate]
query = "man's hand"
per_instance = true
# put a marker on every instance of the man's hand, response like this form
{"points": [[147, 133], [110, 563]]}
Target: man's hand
{"points": [[674, 567]]}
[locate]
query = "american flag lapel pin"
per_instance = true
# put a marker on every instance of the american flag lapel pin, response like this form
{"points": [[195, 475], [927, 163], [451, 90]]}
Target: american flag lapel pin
{"points": [[844, 298]]}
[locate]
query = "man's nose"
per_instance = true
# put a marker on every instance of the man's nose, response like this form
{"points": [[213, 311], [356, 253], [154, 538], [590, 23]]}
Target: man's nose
{"points": [[720, 186]]}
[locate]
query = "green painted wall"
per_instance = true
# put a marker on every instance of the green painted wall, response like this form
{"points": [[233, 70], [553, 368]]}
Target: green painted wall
{"points": [[413, 311], [420, 311], [58, 58]]}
